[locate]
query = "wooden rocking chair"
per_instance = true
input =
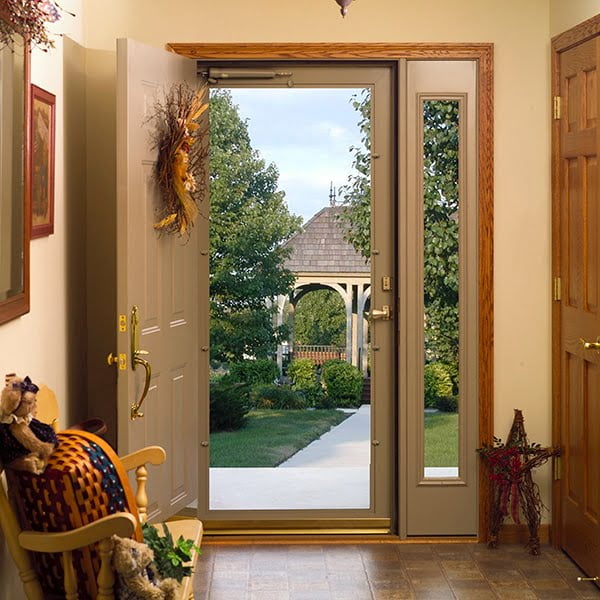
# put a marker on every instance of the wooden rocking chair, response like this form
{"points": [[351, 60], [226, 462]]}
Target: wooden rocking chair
{"points": [[123, 524]]}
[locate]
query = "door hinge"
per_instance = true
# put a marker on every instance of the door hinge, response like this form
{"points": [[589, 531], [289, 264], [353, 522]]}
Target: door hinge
{"points": [[557, 466], [557, 292], [556, 107]]}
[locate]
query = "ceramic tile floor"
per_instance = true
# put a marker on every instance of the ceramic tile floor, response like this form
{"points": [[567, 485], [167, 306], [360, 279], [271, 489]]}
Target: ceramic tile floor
{"points": [[385, 572]]}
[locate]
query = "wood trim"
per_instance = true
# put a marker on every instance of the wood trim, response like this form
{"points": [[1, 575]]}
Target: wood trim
{"points": [[18, 305], [483, 53], [486, 277], [556, 306], [578, 34], [324, 51], [563, 41], [511, 533]]}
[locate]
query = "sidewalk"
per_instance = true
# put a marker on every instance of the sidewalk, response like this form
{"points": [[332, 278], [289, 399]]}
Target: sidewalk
{"points": [[330, 473]]}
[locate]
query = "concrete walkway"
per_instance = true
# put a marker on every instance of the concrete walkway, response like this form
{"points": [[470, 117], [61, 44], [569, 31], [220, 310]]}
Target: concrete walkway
{"points": [[331, 472]]}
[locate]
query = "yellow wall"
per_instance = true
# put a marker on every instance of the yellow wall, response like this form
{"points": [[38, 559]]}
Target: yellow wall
{"points": [[520, 32], [565, 14]]}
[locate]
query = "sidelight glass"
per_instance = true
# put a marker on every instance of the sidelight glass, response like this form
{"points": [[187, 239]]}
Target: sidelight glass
{"points": [[441, 226]]}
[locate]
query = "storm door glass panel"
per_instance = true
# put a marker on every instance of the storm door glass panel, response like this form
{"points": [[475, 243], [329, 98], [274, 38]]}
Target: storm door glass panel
{"points": [[441, 260], [290, 227]]}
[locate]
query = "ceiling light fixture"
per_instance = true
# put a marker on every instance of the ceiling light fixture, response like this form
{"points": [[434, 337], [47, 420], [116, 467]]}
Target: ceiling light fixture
{"points": [[344, 4]]}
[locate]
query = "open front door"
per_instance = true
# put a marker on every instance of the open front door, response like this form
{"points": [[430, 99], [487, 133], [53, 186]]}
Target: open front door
{"points": [[157, 289]]}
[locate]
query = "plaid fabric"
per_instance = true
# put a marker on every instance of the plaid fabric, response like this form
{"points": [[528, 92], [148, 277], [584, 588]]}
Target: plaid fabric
{"points": [[84, 481]]}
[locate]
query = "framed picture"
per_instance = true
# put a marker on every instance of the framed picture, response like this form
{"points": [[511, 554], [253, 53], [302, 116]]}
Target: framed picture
{"points": [[43, 106]]}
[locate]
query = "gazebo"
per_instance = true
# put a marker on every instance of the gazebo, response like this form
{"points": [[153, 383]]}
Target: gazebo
{"points": [[322, 259]]}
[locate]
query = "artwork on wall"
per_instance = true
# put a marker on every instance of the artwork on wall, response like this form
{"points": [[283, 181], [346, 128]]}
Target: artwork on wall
{"points": [[42, 161]]}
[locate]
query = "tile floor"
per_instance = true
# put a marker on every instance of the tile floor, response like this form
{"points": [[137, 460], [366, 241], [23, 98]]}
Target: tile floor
{"points": [[228, 571]]}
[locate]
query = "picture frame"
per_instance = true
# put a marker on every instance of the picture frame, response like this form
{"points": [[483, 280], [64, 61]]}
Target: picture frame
{"points": [[42, 139]]}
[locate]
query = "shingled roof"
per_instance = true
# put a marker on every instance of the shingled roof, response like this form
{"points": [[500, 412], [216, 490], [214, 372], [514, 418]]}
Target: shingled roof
{"points": [[320, 247]]}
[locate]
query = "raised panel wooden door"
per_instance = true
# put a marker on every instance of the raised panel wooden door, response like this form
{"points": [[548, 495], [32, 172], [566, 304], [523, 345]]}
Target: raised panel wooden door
{"points": [[580, 310], [158, 274]]}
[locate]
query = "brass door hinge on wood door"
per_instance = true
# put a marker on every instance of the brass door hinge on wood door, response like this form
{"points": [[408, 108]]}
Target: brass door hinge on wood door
{"points": [[556, 107], [557, 291], [557, 468]]}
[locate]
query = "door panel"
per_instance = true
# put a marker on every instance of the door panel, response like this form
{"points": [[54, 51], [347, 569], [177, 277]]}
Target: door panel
{"points": [[580, 319], [158, 274], [426, 489]]}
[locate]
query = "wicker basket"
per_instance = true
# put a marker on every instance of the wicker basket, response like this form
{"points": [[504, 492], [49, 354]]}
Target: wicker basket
{"points": [[83, 482]]}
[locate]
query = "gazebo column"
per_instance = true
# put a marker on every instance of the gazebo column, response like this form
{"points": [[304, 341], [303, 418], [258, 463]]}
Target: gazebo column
{"points": [[278, 322], [362, 328], [349, 320]]}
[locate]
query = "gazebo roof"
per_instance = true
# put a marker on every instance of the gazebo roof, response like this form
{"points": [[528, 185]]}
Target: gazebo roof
{"points": [[320, 247]]}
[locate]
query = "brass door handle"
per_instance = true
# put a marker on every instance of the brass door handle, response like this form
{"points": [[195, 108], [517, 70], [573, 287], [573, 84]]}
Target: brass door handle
{"points": [[385, 314], [590, 345], [136, 359]]}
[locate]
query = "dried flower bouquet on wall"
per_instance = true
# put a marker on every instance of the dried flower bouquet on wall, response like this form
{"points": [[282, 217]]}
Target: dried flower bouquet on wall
{"points": [[182, 146]]}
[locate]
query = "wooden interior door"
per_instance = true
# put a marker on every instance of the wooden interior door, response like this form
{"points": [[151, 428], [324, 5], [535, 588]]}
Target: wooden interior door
{"points": [[158, 274], [578, 214]]}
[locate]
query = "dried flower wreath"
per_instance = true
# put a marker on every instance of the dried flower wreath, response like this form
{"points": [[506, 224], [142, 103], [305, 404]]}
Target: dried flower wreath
{"points": [[28, 18], [181, 153]]}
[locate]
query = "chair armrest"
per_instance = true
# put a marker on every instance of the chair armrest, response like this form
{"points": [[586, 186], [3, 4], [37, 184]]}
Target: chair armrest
{"points": [[121, 524], [155, 455]]}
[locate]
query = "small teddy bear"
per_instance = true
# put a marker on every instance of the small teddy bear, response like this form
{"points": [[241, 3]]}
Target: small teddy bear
{"points": [[137, 578], [25, 442]]}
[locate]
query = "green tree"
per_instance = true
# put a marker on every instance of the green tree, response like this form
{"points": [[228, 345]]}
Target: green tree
{"points": [[440, 182], [249, 222], [356, 194], [440, 172], [320, 319]]}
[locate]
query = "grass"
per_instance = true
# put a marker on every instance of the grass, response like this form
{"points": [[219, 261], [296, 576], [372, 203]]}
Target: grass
{"points": [[270, 437], [441, 439]]}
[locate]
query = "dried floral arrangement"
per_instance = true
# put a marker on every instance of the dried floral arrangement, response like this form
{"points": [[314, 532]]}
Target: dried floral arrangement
{"points": [[513, 490], [179, 172], [28, 18]]}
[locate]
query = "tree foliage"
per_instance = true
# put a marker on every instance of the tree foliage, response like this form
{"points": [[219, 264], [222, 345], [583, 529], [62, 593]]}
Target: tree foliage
{"points": [[356, 194], [440, 182], [249, 222], [320, 319], [440, 167]]}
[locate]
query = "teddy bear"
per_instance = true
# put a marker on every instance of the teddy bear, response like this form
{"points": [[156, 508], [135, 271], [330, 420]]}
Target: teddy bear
{"points": [[25, 442], [137, 578]]}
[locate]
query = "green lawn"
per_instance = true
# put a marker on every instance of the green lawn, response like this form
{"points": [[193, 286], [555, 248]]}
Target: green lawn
{"points": [[270, 437], [441, 439]]}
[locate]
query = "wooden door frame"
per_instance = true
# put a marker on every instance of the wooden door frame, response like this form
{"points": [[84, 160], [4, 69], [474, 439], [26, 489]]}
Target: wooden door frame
{"points": [[483, 54], [563, 41]]}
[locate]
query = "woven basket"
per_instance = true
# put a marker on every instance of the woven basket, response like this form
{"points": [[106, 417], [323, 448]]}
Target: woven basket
{"points": [[84, 480]]}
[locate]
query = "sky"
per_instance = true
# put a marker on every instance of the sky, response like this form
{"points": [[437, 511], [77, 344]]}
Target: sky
{"points": [[307, 133]]}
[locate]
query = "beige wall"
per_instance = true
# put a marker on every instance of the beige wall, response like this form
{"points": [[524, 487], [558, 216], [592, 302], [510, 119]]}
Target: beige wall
{"points": [[565, 14], [44, 343], [520, 32]]}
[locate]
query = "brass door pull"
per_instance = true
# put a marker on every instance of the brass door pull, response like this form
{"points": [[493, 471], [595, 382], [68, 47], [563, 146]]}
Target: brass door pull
{"points": [[591, 345], [136, 359], [385, 314]]}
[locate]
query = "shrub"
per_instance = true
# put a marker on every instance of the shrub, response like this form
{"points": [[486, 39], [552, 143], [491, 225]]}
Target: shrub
{"points": [[253, 371], [447, 403], [278, 397], [437, 383], [316, 397], [229, 405], [343, 383], [303, 373]]}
